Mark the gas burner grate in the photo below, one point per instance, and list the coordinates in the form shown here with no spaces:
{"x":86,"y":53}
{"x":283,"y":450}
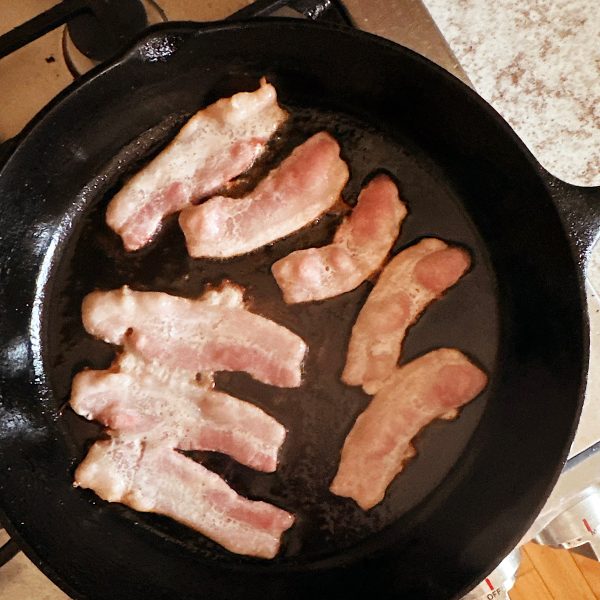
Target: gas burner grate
{"x":8,"y":551}
{"x":100,"y":28}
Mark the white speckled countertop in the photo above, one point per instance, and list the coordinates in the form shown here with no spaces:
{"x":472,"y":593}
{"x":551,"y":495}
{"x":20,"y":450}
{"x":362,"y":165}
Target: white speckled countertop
{"x":538,"y":63}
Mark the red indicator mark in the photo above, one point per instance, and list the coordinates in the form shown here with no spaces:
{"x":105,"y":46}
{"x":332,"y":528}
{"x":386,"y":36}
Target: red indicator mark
{"x":587,"y":526}
{"x":490,"y":584}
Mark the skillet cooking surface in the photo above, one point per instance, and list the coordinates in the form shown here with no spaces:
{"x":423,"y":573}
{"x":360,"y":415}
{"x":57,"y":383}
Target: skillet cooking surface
{"x":444,"y":521}
{"x":320,"y":413}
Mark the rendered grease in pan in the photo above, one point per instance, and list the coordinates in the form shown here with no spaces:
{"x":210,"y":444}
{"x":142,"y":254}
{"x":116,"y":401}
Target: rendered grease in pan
{"x":319,"y":414}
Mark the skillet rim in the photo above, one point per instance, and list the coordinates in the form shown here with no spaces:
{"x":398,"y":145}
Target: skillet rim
{"x":188,"y":27}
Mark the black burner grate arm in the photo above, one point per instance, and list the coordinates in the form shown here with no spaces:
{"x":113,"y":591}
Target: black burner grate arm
{"x":326,"y":10}
{"x":38,"y":26}
{"x":8,"y":551}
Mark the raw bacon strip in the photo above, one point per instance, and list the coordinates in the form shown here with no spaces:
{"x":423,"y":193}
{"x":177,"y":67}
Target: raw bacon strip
{"x":431,"y":387}
{"x":212,"y":333}
{"x":302,"y":188}
{"x":215,"y":145}
{"x":407,"y":285}
{"x":160,"y":480}
{"x":170,"y":408}
{"x":359,"y":248}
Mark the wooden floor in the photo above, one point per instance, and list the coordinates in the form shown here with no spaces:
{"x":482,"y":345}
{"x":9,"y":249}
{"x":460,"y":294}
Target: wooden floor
{"x":550,"y":574}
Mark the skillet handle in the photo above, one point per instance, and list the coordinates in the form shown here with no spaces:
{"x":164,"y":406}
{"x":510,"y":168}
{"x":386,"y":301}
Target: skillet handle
{"x":579,"y":208}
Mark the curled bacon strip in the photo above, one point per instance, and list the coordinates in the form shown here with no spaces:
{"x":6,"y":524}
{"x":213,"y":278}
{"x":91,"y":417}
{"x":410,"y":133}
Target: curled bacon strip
{"x":361,"y":244}
{"x":213,"y":333}
{"x":144,"y":400}
{"x":151,"y":478}
{"x":407,"y":285}
{"x":214,"y":146}
{"x":301,"y":189}
{"x":433,"y":386}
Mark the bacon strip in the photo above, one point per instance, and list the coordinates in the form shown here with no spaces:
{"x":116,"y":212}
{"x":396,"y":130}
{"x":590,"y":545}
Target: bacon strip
{"x":216,"y":144}
{"x":160,"y":480}
{"x":407,"y":285}
{"x":212,"y":333}
{"x":359,"y":248}
{"x":302,"y":188}
{"x":431,"y":387}
{"x":170,"y":408}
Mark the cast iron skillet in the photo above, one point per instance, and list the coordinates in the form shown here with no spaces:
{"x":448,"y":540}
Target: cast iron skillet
{"x":520,"y":313}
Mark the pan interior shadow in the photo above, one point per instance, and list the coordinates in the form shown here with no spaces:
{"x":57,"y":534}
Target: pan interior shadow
{"x":319,"y":414}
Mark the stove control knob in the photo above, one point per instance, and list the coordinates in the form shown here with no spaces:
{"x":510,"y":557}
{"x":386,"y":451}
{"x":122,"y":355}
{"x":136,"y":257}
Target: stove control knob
{"x":498,"y":583}
{"x":577,"y":525}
